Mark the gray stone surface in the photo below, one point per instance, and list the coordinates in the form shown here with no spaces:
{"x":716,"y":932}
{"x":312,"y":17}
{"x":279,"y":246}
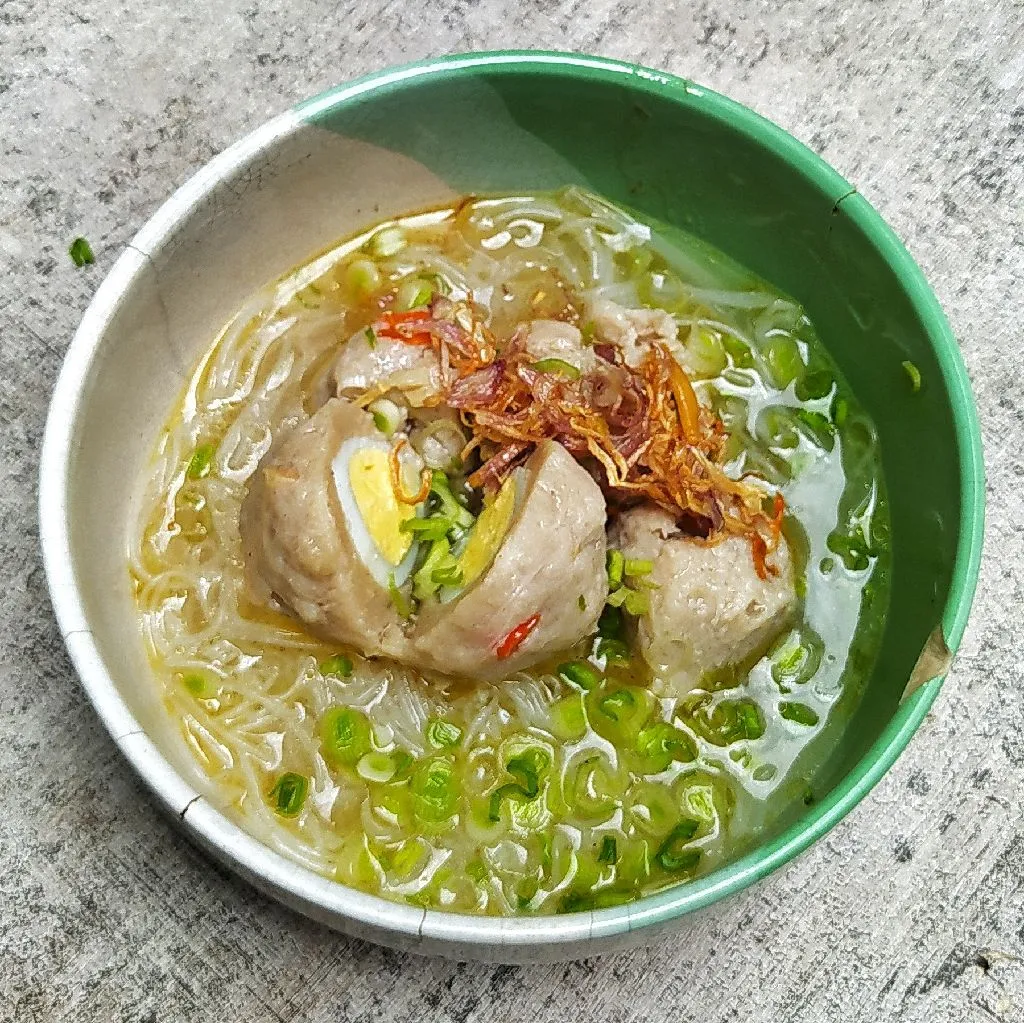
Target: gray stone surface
{"x":912,"y":909}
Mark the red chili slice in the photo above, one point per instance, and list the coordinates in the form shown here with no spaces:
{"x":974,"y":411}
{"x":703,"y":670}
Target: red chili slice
{"x":514,"y":640}
{"x":391,"y":325}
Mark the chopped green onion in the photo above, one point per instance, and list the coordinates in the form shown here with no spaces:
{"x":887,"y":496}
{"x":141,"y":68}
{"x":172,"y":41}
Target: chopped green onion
{"x":439,"y":569}
{"x":202,"y":683}
{"x":362,"y":277}
{"x":289,"y":794}
{"x":434,"y":790}
{"x":451,"y":507}
{"x":661,"y":743}
{"x":739,"y":351}
{"x":580,"y":673}
{"x":592,"y":787}
{"x":429,"y":529}
{"x":611,"y":624}
{"x":201,"y":462}
{"x":799,"y":713}
{"x":581,"y":602}
{"x":673,"y":854}
{"x":527,"y":767}
{"x":401,"y":603}
{"x":443,"y":734}
{"x":638,"y":566}
{"x":785,"y":362}
{"x":615,"y":564}
{"x":616,"y":598}
{"x":371,"y":337}
{"x":815,"y":385}
{"x":80,"y":252}
{"x":729,"y":722}
{"x":477,"y":871}
{"x":617,"y":704}
{"x":339,"y":665}
{"x":447,"y":576}
{"x":609,"y":852}
{"x":412,"y":294}
{"x":750,"y":719}
{"x":568,"y":719}
{"x":797,"y":659}
{"x":403,"y":761}
{"x":587,"y":331}
{"x":499,"y":795}
{"x":388,"y":416}
{"x":818,"y":428}
{"x":388,"y":241}
{"x":840,"y":411}
{"x":915,"y":375}
{"x":705,"y":352}
{"x":345,"y":735}
{"x":635,"y":603}
{"x":557,"y":366}
{"x":377,"y":767}
{"x":614,"y":651}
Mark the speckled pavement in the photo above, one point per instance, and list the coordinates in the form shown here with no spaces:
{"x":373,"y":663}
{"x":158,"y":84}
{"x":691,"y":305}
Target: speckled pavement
{"x":911,"y":910}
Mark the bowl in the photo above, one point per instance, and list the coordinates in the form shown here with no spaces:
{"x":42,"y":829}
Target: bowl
{"x":506,"y":121}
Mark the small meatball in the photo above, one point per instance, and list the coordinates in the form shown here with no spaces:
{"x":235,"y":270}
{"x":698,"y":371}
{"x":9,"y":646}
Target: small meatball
{"x":553,"y":339}
{"x":299,"y":552}
{"x":387,"y":364}
{"x":632,"y":330}
{"x":551,"y":564}
{"x":710,"y":608}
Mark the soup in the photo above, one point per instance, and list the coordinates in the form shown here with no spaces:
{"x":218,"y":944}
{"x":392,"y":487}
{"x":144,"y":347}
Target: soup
{"x":514,"y":557}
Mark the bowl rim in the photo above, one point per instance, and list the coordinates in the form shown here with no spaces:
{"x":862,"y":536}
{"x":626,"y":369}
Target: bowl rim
{"x":331,"y":901}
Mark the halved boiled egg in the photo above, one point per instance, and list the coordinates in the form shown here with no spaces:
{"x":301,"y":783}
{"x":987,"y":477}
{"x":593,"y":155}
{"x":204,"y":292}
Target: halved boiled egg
{"x":373,"y":512}
{"x":489,"y":530}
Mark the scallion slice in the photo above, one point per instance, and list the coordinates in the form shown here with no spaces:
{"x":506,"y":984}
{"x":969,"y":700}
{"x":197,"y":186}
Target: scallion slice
{"x":399,"y":601}
{"x":338,"y":665}
{"x":201,"y":462}
{"x":443,"y":734}
{"x":345,"y":735}
{"x":580,"y":673}
{"x":376,"y":767}
{"x":289,"y":794}
{"x":673,"y":855}
{"x":81,"y":252}
{"x":609,"y":852}
{"x":559,"y":367}
{"x":615,"y":565}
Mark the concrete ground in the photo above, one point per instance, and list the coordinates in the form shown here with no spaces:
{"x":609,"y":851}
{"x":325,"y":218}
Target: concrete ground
{"x":911,"y":910}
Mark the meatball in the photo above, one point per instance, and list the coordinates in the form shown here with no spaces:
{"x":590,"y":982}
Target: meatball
{"x":299,"y":548}
{"x":386,"y":364}
{"x":551,"y":564}
{"x":710,"y":608}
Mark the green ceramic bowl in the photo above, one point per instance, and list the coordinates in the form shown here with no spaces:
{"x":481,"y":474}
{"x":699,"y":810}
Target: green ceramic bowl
{"x":502,"y":122}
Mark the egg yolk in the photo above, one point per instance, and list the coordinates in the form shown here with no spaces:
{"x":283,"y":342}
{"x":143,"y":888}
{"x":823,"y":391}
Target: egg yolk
{"x":369,"y":476}
{"x":488,"y":532}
